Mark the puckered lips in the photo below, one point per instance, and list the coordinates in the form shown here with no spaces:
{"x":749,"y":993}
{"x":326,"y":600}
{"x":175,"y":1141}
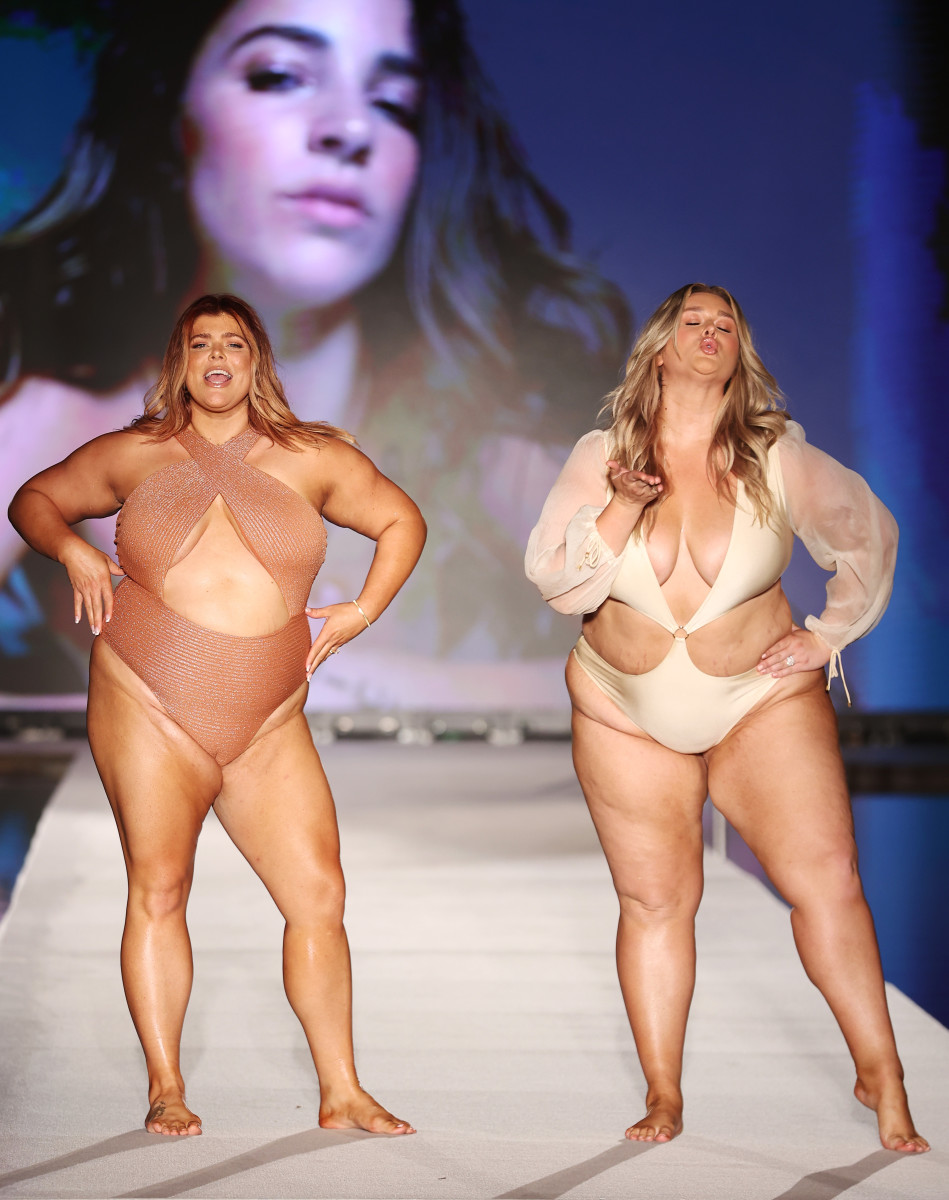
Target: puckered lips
{"x":708,"y":345}
{"x":217,"y":377}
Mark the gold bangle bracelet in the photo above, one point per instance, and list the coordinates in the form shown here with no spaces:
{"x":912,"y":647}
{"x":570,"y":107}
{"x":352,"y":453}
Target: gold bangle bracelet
{"x":363,"y":615}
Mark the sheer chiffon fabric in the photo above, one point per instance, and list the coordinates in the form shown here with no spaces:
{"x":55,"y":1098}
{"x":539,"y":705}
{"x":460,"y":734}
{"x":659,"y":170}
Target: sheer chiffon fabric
{"x":844,"y":526}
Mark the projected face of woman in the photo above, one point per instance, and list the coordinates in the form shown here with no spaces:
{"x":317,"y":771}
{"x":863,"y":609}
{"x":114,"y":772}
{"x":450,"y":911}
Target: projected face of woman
{"x":299,"y":125}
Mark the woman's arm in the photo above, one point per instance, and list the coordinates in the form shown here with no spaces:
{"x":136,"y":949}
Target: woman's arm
{"x":44,"y":508}
{"x":357,"y":496}
{"x":847,"y":530}
{"x":576,"y":547}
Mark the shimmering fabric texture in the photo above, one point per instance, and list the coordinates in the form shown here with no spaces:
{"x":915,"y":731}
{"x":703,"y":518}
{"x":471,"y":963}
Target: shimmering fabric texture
{"x":220,"y":688}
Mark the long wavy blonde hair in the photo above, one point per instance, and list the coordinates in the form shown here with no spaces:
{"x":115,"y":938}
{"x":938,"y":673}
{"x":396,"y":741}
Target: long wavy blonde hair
{"x":168,"y":405}
{"x":748,"y":422}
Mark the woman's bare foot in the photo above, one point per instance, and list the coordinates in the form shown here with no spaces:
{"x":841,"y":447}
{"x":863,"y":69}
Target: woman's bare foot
{"x":897,"y":1131}
{"x":662,"y":1122}
{"x":170,"y":1115}
{"x":358,"y":1110}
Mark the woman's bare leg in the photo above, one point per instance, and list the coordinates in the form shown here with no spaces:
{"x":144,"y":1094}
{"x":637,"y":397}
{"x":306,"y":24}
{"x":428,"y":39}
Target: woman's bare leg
{"x":646,"y":803}
{"x":779,"y":779}
{"x":276,"y":805}
{"x":160,"y":785}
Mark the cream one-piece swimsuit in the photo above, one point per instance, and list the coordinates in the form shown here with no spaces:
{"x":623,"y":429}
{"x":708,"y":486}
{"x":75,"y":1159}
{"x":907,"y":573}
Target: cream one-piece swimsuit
{"x":676,"y":703}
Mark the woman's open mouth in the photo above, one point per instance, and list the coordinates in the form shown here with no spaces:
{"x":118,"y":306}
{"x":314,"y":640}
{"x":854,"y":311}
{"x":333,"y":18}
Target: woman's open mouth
{"x":218,"y":377}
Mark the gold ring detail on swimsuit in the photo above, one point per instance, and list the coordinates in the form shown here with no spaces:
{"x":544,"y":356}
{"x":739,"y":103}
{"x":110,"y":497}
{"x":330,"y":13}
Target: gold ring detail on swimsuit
{"x":789,"y":661}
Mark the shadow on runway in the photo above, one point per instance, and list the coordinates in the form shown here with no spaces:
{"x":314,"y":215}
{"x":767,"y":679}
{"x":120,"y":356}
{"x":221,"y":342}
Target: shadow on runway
{"x":826,"y":1185}
{"x":306,"y":1142}
{"x":552,"y":1186}
{"x":119,"y":1144}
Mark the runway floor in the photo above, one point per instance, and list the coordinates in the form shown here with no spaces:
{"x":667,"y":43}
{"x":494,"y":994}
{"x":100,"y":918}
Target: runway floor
{"x":481,"y":918}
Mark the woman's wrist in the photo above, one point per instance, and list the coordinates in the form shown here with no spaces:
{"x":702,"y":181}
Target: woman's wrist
{"x":70,"y":541}
{"x":628,"y":506}
{"x":362,"y":613}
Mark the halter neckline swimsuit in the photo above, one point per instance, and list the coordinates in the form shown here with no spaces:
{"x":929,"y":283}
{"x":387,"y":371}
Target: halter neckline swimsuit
{"x":220,"y":688}
{"x":676,"y":703}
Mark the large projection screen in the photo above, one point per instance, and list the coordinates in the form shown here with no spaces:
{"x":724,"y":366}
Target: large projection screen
{"x":607,"y":153}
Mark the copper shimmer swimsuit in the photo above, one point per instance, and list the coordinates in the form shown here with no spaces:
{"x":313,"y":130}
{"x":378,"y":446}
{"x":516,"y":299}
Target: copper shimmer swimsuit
{"x":220,"y":688}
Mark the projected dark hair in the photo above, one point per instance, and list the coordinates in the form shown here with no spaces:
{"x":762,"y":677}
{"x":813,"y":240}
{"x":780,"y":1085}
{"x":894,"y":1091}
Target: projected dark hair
{"x":484,"y":269}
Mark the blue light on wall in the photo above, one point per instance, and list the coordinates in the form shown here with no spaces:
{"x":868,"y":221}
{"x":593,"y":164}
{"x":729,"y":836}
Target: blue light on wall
{"x":900,"y":400}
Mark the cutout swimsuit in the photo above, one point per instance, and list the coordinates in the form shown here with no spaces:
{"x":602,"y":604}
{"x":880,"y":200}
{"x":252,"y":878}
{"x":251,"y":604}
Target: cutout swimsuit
{"x":676,"y":703}
{"x":219,"y":687}
{"x":846,"y":530}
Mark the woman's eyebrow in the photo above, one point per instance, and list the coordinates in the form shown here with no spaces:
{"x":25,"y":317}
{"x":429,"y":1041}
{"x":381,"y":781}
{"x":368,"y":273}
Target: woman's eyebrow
{"x":390,"y":63}
{"x":292,"y":33}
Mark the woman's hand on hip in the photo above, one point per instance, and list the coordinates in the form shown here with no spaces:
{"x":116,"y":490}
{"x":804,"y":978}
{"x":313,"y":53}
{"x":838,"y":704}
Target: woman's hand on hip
{"x":799,"y":650}
{"x":341,"y":623}
{"x":90,"y":573}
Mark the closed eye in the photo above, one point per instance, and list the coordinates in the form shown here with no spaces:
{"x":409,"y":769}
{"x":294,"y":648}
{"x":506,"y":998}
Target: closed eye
{"x":274,"y":79}
{"x":401,"y":114}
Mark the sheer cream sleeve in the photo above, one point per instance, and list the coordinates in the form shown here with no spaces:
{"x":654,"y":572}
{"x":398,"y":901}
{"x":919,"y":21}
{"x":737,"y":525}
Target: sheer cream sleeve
{"x":847,"y":530}
{"x":566,"y":557}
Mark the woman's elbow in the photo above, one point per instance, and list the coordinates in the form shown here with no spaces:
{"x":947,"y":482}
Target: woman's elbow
{"x":570,"y":605}
{"x":17,"y":505}
{"x":564,"y":607}
{"x":408,"y":529}
{"x":419,"y":527}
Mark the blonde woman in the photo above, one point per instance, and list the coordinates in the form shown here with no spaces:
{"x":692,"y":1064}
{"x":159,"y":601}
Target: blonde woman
{"x":669,"y":532}
{"x":198,"y":680}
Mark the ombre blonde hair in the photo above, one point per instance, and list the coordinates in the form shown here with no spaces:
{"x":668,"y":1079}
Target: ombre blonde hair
{"x":747,"y":424}
{"x":168,"y":405}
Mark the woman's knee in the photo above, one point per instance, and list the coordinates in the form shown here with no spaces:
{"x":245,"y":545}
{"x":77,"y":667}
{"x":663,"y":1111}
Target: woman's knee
{"x":317,"y":899}
{"x":159,"y":894}
{"x":833,"y":879}
{"x":656,"y":904}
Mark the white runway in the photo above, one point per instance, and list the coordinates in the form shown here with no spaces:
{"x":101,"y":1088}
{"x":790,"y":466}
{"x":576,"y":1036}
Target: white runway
{"x":481,"y":918}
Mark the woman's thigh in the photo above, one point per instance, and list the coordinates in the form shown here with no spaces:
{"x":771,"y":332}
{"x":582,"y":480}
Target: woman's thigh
{"x":159,"y":781}
{"x":645,"y":800}
{"x":276,"y":805}
{"x":778,"y":777}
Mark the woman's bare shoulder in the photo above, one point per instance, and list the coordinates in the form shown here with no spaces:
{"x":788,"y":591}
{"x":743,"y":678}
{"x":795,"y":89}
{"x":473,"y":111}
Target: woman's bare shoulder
{"x":124,"y":458}
{"x":126,"y":444}
{"x":330,"y":454}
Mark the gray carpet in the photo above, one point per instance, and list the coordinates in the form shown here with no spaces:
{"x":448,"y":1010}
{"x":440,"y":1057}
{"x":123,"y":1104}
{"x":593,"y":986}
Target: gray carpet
{"x":487,"y":1012}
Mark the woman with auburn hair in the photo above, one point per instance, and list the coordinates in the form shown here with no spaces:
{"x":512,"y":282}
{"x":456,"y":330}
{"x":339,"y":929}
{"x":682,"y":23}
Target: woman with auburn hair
{"x":343,"y":165}
{"x":677,"y":523}
{"x":199,"y":674}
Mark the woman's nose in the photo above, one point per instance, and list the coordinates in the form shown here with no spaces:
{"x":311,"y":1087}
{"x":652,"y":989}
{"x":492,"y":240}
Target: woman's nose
{"x":341,"y":126}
